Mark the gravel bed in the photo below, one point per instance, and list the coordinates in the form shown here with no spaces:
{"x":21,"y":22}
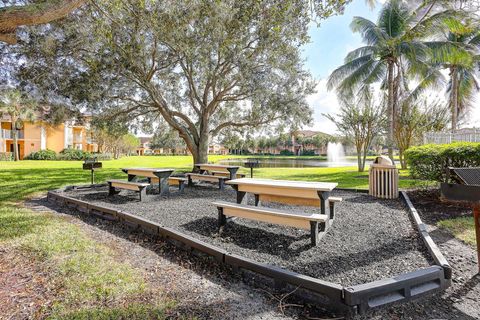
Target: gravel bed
{"x":370,"y":239}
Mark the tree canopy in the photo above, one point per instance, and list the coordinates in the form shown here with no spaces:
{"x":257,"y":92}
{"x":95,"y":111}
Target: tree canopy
{"x":202,"y":66}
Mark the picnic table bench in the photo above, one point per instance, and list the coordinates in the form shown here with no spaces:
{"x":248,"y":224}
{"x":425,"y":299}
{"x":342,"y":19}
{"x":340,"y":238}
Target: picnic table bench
{"x":284,"y":191}
{"x":229,"y":171}
{"x":154,"y":175}
{"x":301,"y":193}
{"x":213,"y":173}
{"x":139,"y":187}
{"x":316,"y":223}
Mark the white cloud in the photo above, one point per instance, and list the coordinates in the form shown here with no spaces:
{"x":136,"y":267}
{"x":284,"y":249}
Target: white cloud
{"x":323,"y":101}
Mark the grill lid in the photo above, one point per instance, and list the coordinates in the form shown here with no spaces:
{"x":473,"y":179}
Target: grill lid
{"x":467,"y":176}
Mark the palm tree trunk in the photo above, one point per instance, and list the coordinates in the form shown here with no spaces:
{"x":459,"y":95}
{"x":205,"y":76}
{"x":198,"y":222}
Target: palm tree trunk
{"x":454,"y":98}
{"x":390,"y":110}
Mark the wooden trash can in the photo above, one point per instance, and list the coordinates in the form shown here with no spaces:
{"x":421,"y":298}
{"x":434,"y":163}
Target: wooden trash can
{"x":383,"y":179}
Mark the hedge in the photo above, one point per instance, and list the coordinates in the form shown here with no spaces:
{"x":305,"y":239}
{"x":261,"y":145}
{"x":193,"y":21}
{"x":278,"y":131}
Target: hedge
{"x":429,"y":162}
{"x":42,"y":155}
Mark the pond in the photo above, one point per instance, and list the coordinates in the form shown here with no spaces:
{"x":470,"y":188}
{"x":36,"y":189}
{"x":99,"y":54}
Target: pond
{"x":293,"y":163}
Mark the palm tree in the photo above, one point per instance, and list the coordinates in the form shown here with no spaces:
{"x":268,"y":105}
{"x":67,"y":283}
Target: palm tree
{"x":20,"y":110}
{"x":462,"y":67}
{"x":394,"y":50}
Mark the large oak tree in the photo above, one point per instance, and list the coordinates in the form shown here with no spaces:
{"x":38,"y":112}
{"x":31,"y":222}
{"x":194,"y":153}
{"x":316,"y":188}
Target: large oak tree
{"x":203,"y":66}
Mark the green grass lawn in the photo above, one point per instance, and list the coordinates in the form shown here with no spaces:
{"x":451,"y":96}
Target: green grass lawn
{"x":21,"y":179}
{"x":462,"y":228}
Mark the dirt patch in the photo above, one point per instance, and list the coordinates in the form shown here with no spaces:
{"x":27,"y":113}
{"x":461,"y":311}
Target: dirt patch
{"x":24,"y":287}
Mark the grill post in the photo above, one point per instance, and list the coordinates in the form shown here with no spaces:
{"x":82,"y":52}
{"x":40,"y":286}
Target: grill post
{"x":476,"y":217}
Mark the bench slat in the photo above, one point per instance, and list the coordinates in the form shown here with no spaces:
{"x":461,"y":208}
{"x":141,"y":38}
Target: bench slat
{"x":270,"y":215}
{"x":226,"y":174}
{"x":205,"y":177}
{"x":135,"y":186}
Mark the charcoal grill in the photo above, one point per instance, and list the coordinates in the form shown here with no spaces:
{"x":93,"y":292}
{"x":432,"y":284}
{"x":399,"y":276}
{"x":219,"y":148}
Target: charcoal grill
{"x":466,"y":188}
{"x":252,"y":163}
{"x":92,"y":164}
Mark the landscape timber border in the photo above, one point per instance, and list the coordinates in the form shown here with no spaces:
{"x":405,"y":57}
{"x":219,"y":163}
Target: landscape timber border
{"x":353,"y":300}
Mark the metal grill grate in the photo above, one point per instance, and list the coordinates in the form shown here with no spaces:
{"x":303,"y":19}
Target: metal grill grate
{"x":467,"y":176}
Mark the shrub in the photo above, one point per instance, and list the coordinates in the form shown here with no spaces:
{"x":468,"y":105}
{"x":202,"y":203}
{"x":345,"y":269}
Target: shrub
{"x":73,"y":154}
{"x":308,"y":153}
{"x":286,"y":152}
{"x":42,"y":155}
{"x":6,"y":156}
{"x":102,"y":156}
{"x":429,"y":162}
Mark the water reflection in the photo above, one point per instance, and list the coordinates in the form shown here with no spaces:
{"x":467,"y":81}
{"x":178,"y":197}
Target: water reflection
{"x":293,"y":163}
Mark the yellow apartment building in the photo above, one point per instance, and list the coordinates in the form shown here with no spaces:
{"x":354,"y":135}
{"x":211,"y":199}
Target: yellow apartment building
{"x":38,"y":136}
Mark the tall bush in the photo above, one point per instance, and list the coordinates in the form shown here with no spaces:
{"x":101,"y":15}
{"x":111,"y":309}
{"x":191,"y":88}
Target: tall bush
{"x":429,"y":162}
{"x":42,"y":155}
{"x":73,"y":154}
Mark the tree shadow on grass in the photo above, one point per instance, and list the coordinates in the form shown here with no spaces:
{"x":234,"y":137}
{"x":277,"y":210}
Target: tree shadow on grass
{"x":15,"y":223}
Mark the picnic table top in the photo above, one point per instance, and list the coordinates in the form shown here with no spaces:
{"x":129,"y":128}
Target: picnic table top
{"x":212,"y":165}
{"x":319,"y":186}
{"x":147,"y":169}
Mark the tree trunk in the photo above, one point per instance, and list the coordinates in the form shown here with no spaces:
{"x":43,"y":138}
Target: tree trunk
{"x":200,"y":154}
{"x":403,"y":162}
{"x":390,"y":110}
{"x":361,"y":166}
{"x":454,"y":98}
{"x":16,"y":154}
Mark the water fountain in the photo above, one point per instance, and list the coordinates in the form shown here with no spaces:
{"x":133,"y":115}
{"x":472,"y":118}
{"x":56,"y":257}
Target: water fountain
{"x":335,"y":152}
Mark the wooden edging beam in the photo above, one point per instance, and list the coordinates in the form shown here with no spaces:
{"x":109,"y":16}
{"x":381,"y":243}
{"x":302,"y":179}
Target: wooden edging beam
{"x":352,"y":299}
{"x":432,"y":247}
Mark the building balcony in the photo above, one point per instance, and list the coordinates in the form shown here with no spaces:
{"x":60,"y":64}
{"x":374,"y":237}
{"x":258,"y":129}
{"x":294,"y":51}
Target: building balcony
{"x":8,"y":134}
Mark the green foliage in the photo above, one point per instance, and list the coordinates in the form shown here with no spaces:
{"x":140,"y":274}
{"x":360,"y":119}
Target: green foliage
{"x":429,"y":162}
{"x":286,"y":152}
{"x":6,"y":156}
{"x":42,"y":155}
{"x":73,"y":154}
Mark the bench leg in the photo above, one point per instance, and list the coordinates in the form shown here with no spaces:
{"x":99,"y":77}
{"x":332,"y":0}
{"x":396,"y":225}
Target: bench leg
{"x":111,"y":189}
{"x":257,"y":200}
{"x":143,"y":194}
{"x":323,"y":201}
{"x":131,"y":177}
{"x":314,"y":232}
{"x":221,"y":184}
{"x":181,"y":186}
{"x":190,"y":182}
{"x":222,"y":220}
{"x":240,"y":196}
{"x":317,"y":230}
{"x":332,"y":209}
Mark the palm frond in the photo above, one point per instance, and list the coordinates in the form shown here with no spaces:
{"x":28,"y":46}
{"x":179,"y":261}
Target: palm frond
{"x":339,"y":74}
{"x":370,"y":32}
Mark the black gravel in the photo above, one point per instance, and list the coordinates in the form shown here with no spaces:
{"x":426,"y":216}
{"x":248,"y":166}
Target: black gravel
{"x":370,"y":239}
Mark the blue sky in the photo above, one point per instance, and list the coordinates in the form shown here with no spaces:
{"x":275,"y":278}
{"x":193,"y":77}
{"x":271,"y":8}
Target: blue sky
{"x":329,"y":45}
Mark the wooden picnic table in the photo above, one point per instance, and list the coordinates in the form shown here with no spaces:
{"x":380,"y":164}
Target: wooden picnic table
{"x":152,"y":174}
{"x":205,"y":167}
{"x":285,"y":191}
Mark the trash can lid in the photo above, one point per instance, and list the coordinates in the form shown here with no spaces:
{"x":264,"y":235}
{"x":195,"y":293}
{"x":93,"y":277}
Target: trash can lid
{"x":383,"y":160}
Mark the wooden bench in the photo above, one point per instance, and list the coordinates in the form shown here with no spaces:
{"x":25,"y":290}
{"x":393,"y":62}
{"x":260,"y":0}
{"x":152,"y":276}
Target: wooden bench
{"x":226,"y":174}
{"x":205,"y":177}
{"x":139,"y":187}
{"x":178,"y":181}
{"x":316,"y":223}
{"x":173,"y":181}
